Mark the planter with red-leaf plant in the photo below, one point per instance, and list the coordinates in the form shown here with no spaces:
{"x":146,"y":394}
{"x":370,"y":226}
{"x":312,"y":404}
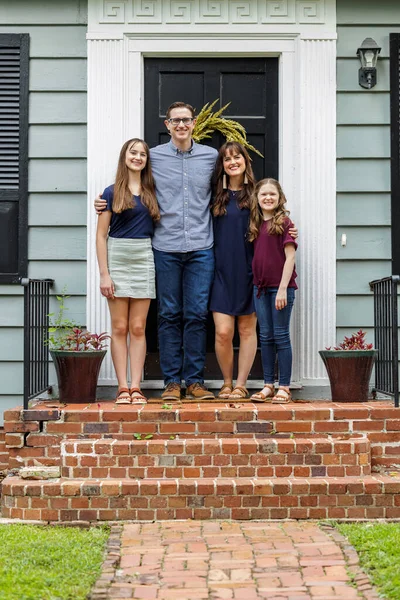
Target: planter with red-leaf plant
{"x":77,"y":356}
{"x":349,"y":367}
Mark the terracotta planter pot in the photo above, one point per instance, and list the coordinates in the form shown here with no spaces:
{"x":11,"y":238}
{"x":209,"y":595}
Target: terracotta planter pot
{"x":349,"y":373}
{"x":77,"y":374}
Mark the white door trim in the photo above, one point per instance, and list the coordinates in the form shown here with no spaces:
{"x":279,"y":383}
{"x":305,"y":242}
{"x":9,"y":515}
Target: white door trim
{"x":307,"y":125}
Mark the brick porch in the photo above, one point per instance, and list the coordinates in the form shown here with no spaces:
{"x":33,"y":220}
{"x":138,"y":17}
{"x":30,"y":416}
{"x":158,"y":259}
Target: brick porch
{"x":228,"y":461}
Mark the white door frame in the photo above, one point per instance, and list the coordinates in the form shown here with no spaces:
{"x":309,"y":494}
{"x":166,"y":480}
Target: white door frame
{"x":307,"y":125}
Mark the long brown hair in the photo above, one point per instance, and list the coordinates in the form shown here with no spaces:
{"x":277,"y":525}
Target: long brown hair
{"x":123,"y":199}
{"x":221,"y":195}
{"x":256,"y":216}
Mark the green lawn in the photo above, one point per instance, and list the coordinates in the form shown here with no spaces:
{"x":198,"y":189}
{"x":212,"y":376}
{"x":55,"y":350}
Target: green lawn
{"x":49,"y":563}
{"x":378,"y":546}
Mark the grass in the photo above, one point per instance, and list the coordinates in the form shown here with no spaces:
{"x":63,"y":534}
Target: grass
{"x":49,"y":563}
{"x":378,"y":546}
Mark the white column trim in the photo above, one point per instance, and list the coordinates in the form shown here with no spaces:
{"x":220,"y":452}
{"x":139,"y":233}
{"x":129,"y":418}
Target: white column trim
{"x":307,"y":116}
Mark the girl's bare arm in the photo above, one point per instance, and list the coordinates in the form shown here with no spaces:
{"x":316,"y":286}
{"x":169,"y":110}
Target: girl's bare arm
{"x":106,"y":283}
{"x":281,"y":296}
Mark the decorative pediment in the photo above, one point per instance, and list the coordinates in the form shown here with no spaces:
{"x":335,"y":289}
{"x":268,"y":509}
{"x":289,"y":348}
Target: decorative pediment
{"x":207,"y":12}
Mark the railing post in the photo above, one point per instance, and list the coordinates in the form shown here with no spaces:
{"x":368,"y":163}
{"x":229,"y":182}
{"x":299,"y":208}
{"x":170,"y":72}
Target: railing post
{"x":386,"y":336}
{"x":36,"y":325}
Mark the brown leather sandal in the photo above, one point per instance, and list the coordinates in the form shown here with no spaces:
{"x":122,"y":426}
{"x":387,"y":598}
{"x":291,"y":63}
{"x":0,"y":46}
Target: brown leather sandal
{"x":120,"y":399}
{"x":260,"y":397}
{"x":139,"y":398}
{"x":238,"y":393}
{"x":225,"y":391}
{"x":282,"y":397}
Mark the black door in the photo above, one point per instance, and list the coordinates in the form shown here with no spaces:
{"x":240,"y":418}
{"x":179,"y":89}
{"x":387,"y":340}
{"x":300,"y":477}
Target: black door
{"x":251,"y":86}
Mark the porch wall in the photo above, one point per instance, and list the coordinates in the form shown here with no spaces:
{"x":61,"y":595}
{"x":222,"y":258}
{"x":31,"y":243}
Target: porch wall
{"x":57,"y":168}
{"x":363,"y":162}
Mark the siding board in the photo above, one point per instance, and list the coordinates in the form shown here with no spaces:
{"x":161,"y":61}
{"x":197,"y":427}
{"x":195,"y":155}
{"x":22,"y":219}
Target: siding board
{"x":364,"y":243}
{"x":355,"y":311}
{"x":60,"y":175}
{"x":350,"y":38}
{"x":356,"y":108}
{"x":353,"y":277}
{"x":362,"y":141}
{"x":363,"y":209}
{"x":71,"y":274}
{"x":347,"y":76}
{"x":363,"y":175}
{"x":57,"y":107}
{"x":65,"y":12}
{"x":358,"y":12}
{"x":63,"y":74}
{"x":51,"y":243}
{"x":57,"y":209}
{"x":58,"y":141}
{"x":54,"y":41}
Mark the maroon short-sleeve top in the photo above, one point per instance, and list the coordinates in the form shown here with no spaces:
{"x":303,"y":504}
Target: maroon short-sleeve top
{"x":269,"y":257}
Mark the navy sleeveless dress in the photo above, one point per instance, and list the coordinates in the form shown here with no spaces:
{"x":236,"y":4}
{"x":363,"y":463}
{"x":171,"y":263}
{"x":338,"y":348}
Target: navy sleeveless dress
{"x":232,"y":290}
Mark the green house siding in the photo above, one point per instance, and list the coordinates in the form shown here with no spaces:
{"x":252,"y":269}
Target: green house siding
{"x":363,"y":162}
{"x":57,"y":168}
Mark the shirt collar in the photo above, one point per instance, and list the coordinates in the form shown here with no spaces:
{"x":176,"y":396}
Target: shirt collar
{"x":176,"y":150}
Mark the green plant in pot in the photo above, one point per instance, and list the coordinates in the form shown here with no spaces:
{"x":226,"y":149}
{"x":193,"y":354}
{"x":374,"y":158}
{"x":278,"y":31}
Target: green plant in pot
{"x":77,"y":356}
{"x":349,"y":367}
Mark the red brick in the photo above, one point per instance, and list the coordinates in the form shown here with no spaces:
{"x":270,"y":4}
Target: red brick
{"x":148,"y":489}
{"x":13,"y":414}
{"x":330,"y":426}
{"x":177,"y":428}
{"x":15,"y":440}
{"x":205,"y":415}
{"x":139,"y":428}
{"x":19,"y":427}
{"x":294,"y":426}
{"x":37,"y":414}
{"x":110,"y":489}
{"x":224,"y":427}
{"x":368,"y":425}
{"x":40,"y":439}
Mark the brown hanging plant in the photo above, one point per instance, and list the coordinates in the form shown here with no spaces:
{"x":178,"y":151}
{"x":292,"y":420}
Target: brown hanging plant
{"x":208,"y":121}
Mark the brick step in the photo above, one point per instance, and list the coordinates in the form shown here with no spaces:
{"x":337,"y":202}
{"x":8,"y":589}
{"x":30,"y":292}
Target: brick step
{"x":3,"y":452}
{"x":199,"y":458}
{"x":92,"y":500}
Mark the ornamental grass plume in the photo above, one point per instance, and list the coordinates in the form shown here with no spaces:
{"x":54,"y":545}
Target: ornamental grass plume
{"x":208,"y":121}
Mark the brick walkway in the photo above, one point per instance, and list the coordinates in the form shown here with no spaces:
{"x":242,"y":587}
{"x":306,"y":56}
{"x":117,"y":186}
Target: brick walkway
{"x":189,"y":560}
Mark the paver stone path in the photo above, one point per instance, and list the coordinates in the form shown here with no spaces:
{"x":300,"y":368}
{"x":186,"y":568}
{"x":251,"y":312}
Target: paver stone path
{"x":221,"y":560}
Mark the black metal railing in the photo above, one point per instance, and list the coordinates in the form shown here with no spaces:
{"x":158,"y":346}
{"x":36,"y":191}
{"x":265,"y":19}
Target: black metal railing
{"x":386,"y":336}
{"x":36,"y":330}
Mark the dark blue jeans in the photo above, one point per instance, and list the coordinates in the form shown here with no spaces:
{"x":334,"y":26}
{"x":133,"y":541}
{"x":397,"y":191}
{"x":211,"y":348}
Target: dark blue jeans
{"x":183,"y":289}
{"x":275,"y":335}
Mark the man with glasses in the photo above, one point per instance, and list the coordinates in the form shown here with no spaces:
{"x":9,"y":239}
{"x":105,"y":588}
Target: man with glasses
{"x":183,"y":252}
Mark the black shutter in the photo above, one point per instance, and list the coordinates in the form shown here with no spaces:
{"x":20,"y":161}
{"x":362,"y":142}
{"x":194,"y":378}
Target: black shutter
{"x":14,"y":72}
{"x":395,"y":148}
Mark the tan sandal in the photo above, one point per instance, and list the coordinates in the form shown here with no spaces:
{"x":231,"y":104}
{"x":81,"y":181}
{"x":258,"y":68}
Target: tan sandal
{"x":282,"y":397}
{"x":260,"y":397}
{"x":139,"y":397}
{"x":225,"y":391}
{"x":120,"y":399}
{"x":238,"y":393}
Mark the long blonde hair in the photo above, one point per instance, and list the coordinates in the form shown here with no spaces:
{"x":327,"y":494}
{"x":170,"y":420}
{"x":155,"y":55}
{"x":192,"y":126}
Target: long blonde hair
{"x":122,"y":199}
{"x":256,"y":216}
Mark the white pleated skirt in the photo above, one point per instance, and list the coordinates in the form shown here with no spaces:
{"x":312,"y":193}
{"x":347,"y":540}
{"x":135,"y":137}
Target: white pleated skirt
{"x":131,"y":267}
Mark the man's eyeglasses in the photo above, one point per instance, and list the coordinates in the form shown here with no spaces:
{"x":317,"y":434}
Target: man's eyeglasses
{"x":185,"y":121}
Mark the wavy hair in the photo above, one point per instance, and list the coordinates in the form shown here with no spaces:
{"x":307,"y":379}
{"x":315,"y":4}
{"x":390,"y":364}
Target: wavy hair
{"x":221,"y":195}
{"x":279,"y":217}
{"x":123,"y":198}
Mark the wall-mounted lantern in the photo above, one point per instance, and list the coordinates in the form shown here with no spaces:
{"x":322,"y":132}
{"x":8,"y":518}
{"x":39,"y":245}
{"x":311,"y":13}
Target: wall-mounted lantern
{"x":368,"y":54}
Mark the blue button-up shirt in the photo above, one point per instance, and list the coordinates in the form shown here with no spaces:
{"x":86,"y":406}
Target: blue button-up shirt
{"x":183,"y":186}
